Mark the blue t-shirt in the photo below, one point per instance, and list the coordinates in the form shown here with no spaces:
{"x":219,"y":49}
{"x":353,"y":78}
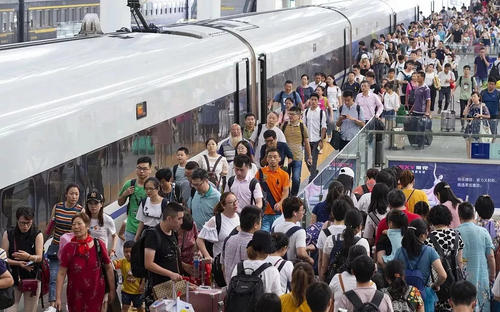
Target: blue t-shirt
{"x":283,"y":150}
{"x":281,"y":97}
{"x":321,"y":211}
{"x":491,"y":100}
{"x":424,"y":265}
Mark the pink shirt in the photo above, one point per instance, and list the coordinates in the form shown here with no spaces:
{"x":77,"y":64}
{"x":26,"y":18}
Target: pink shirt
{"x":241,"y":189}
{"x":455,"y":220}
{"x":370,"y":104}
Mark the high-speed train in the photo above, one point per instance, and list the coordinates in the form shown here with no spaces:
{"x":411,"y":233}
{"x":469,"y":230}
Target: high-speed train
{"x":84,"y":110}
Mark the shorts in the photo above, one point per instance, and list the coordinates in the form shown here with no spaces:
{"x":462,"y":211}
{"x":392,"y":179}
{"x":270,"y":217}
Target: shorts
{"x":135,"y":300}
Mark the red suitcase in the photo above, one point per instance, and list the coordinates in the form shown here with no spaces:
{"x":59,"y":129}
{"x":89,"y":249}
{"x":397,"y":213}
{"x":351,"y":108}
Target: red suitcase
{"x":206,"y":299}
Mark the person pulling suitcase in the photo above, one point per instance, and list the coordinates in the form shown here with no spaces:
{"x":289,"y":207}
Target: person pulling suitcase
{"x":420,"y":114}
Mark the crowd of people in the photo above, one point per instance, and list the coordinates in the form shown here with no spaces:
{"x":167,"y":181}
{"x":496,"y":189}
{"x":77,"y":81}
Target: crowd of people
{"x":236,"y":207}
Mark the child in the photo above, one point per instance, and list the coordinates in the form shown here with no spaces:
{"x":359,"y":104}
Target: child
{"x":268,"y":302}
{"x":463,"y":296}
{"x":132,"y":288}
{"x":403,"y":296}
{"x":178,"y":170}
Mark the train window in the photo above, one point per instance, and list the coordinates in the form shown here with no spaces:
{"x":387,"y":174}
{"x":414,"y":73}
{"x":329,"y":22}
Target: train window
{"x":59,"y":178}
{"x":51,"y":18}
{"x":9,"y":21}
{"x":32,"y":23}
{"x":82,"y":13}
{"x":13,"y":22}
{"x":20,"y":195}
{"x":73,"y":15}
{"x":58,"y":16}
{"x":41,"y":18}
{"x":3,"y":22}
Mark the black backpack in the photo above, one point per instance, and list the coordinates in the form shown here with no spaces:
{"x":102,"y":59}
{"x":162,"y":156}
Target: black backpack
{"x":337,"y":259}
{"x":450,"y":265}
{"x":359,"y":306}
{"x":244,"y":290}
{"x":251,"y":186}
{"x":494,"y":73}
{"x":137,"y":255}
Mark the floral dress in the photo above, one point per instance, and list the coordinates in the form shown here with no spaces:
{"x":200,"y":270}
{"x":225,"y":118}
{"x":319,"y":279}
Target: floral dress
{"x":414,"y":298}
{"x":85,"y":291}
{"x":493,"y":227}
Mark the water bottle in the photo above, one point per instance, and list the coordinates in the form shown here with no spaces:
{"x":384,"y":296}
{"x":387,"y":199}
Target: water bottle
{"x":196,"y":265}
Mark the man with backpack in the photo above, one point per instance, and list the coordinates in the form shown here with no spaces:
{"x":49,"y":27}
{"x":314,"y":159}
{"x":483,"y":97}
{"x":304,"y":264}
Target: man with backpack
{"x":133,"y":190}
{"x":202,"y":203}
{"x":315,"y":121}
{"x":246,"y":188}
{"x":297,"y":138}
{"x":364,"y":298}
{"x":491,"y":97}
{"x":351,"y":118}
{"x":159,"y":250}
{"x":293,"y":211}
{"x":272,"y":142}
{"x":288,"y":92}
{"x":467,"y":85}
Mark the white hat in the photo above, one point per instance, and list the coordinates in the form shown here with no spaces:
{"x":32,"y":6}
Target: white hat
{"x":364,"y":56}
{"x":347,"y":171}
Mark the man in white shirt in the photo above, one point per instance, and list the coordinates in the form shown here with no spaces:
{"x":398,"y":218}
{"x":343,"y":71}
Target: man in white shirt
{"x":315,"y":121}
{"x":380,"y":58}
{"x":257,"y":137}
{"x":245,"y":187}
{"x":445,"y":78}
{"x":357,"y":74}
{"x":293,"y":211}
{"x":317,"y":81}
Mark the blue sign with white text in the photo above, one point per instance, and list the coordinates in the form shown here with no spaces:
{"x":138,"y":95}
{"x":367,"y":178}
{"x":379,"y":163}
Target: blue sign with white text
{"x":468,"y":181}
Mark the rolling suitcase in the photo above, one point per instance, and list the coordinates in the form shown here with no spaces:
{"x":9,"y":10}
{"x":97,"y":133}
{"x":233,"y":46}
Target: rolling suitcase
{"x":206,"y":299}
{"x":425,"y":125}
{"x":398,"y":139}
{"x":411,"y":124}
{"x":448,"y":118}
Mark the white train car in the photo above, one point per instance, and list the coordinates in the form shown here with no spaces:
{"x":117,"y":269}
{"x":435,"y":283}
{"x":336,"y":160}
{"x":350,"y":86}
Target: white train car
{"x":71,"y":110}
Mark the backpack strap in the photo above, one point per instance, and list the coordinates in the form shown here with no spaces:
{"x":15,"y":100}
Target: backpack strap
{"x":265,"y":187}
{"x":284,"y":126}
{"x":292,"y":231}
{"x":207,"y":162}
{"x":377,"y":298}
{"x":365,"y":188}
{"x":354,"y":299}
{"x":374,"y":218}
{"x":301,"y":125}
{"x":259,"y":130}
{"x":218,"y":222}
{"x":282,"y":264}
{"x":216,"y":163}
{"x":261,"y":269}
{"x":252,"y":185}
{"x":436,"y":245}
{"x":174,"y":169}
{"x":341,"y":281}
{"x":240,"y":269}
{"x":233,"y":232}
{"x":230,"y":182}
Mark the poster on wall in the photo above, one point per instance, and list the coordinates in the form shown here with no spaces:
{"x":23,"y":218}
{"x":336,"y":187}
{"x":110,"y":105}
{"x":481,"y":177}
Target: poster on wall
{"x":468,"y":181}
{"x":316,"y":191}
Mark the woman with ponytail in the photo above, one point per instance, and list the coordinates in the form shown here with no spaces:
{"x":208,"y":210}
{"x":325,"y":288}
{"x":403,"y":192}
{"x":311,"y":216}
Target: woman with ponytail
{"x":403,"y":296}
{"x":389,"y":243}
{"x":302,"y":277}
{"x":446,"y":197}
{"x":419,"y":257}
{"x":376,"y":211}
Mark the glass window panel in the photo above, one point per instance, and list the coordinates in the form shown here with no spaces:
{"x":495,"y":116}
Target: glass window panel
{"x":20,"y":195}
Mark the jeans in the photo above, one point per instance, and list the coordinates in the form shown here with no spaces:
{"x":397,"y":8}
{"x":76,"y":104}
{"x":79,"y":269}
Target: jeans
{"x":343,"y":144}
{"x":129,"y":236}
{"x":463,"y":104}
{"x":313,"y":167}
{"x":445,"y":93}
{"x":379,"y":72}
{"x":294,"y":170}
{"x":54,"y":268}
{"x":480,"y":81}
{"x":267,"y":221}
{"x":433,"y":96}
{"x":493,"y":123}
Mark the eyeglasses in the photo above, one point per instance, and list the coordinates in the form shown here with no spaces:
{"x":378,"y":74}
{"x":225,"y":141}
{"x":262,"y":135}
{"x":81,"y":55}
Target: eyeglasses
{"x":150,"y":189}
{"x":25,"y":223}
{"x":142,"y":168}
{"x":269,"y":140}
{"x":232,"y":202}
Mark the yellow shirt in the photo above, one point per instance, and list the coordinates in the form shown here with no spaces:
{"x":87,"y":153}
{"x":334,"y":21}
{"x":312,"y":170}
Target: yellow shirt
{"x":418,"y":195}
{"x":131,"y":284}
{"x":288,"y":304}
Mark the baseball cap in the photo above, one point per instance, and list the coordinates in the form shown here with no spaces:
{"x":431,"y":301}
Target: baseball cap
{"x":347,"y":171}
{"x":95,"y":196}
{"x":364,"y":56}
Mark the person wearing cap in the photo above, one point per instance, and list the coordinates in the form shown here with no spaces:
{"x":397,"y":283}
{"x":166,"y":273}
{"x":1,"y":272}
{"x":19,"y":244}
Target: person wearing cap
{"x":258,"y":249}
{"x":364,"y":64}
{"x":102,"y":225}
{"x":380,"y":58}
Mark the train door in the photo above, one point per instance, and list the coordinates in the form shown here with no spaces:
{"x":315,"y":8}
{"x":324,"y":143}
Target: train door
{"x":242,"y":103}
{"x":347,"y":49}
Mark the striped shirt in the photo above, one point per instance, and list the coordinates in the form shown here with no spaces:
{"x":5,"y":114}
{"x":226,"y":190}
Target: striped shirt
{"x":62,"y":219}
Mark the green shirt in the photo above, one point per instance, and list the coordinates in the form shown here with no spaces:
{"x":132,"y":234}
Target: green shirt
{"x":133,"y":205}
{"x":466,"y":87}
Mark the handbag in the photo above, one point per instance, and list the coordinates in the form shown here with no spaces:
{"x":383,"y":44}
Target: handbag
{"x":484,"y":128}
{"x":52,"y":252}
{"x":335,"y":141}
{"x":170,"y":290}
{"x":436,"y":83}
{"x":26,"y":284}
